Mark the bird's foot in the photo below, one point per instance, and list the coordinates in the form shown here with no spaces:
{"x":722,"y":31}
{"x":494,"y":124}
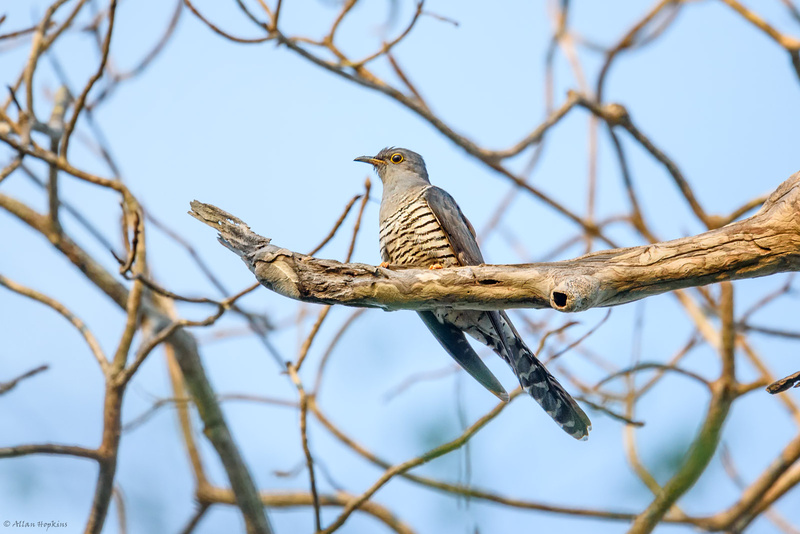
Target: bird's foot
{"x":384,"y":264}
{"x":436,"y":266}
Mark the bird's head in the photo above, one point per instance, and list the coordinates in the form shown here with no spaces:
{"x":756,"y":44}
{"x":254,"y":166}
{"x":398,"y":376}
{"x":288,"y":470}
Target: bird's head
{"x":395,"y":164}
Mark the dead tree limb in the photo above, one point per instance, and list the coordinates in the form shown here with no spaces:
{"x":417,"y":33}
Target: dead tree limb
{"x":764,"y":244}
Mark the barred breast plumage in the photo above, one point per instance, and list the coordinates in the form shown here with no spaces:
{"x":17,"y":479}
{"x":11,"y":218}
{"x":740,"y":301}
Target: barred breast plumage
{"x":412,"y":235}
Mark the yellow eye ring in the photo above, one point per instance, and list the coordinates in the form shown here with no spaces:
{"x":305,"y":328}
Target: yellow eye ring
{"x":397,"y":157}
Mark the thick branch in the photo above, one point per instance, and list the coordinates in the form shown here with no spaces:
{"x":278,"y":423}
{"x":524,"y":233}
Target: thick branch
{"x":764,"y":244}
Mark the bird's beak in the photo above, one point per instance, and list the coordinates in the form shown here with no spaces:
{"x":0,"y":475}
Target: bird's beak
{"x":372,"y":161}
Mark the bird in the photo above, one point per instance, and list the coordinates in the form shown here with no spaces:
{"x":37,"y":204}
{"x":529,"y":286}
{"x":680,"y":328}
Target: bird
{"x":421,"y":225}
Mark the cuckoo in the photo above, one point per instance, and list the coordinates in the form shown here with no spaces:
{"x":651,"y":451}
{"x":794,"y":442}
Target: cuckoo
{"x":422,"y":226}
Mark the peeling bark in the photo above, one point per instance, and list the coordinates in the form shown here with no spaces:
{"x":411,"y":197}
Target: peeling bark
{"x":761,"y":245}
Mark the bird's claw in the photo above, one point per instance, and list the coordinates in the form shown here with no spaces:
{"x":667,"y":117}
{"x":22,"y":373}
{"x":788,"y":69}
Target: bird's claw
{"x":436,"y":266}
{"x":384,"y":264}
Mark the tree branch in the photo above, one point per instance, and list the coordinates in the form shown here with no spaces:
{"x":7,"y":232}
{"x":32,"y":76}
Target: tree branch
{"x":764,"y":244}
{"x":188,"y":358}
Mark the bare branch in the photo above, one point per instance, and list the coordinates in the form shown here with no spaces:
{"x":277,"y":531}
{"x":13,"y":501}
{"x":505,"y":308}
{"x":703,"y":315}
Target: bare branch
{"x":48,"y":448}
{"x":290,"y":499}
{"x":187,"y":355}
{"x":766,"y":243}
{"x":75,"y":321}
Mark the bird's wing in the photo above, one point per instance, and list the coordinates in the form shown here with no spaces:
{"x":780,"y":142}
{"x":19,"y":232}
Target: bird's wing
{"x":457,"y":229}
{"x":461,"y":236}
{"x":455,"y":343}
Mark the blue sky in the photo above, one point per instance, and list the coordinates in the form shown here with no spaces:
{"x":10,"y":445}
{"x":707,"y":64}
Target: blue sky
{"x":263,"y":134}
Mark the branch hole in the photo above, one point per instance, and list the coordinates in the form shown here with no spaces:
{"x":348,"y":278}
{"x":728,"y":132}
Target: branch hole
{"x":488,"y":282}
{"x":559,"y":299}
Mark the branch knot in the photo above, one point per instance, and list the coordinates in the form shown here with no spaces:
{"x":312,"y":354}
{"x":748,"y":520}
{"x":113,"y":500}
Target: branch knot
{"x":576,"y":293}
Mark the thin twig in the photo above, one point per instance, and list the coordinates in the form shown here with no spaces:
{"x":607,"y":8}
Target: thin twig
{"x":74,"y":320}
{"x":81,"y":100}
{"x":5,"y":387}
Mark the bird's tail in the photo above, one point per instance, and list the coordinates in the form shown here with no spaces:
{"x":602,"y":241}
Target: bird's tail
{"x":537,"y":381}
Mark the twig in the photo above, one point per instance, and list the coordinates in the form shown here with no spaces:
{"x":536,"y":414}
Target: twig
{"x":75,"y":321}
{"x":789,"y":43}
{"x":387,"y":47}
{"x":357,"y":225}
{"x":49,"y":448}
{"x":471,"y":492}
{"x":401,"y":468}
{"x":336,"y":225}
{"x":5,"y":387}
{"x":610,"y":413}
{"x":309,"y":461}
{"x":119,"y":501}
{"x":81,"y":100}
{"x":201,"y":510}
{"x":580,"y":339}
{"x":311,"y":335}
{"x":326,"y":355}
{"x":223,"y":33}
{"x":651,"y":365}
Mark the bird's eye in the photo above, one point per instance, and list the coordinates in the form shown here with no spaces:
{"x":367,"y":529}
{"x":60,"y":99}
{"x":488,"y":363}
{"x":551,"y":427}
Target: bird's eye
{"x":397,"y":157}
